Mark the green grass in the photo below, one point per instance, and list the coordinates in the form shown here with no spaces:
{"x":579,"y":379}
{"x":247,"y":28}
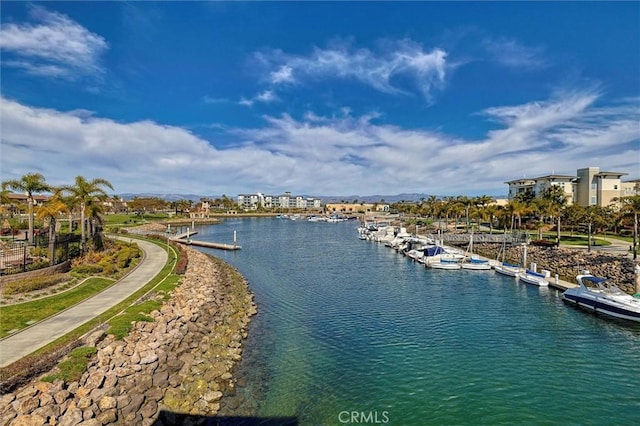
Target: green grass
{"x":120,"y":325}
{"x":15,"y":317}
{"x":23,"y":366}
{"x":580,"y":240}
{"x":71,"y":370}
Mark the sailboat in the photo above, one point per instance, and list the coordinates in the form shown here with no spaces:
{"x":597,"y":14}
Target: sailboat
{"x":474,"y":262}
{"x":503,"y":267}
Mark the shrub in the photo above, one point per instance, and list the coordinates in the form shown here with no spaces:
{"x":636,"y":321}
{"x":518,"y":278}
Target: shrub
{"x":35,"y":283}
{"x":38,"y":265}
{"x":39,"y":252}
{"x":89,"y":268}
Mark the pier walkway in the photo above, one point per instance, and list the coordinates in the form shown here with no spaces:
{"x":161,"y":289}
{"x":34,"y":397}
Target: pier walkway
{"x":184,"y":239}
{"x":30,"y":339}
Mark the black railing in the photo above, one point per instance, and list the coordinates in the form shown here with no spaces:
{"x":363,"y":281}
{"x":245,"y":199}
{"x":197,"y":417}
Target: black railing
{"x":19,"y":256}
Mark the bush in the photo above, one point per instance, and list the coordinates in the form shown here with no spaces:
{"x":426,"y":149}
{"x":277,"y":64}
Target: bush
{"x":35,"y":283}
{"x":39,"y":252}
{"x":88,"y":268}
{"x":38,"y":265}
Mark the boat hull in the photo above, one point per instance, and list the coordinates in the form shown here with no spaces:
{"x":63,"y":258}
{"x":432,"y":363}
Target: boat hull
{"x":533,"y":280}
{"x":601,"y":305}
{"x":476,"y":266}
{"x":505,"y":270}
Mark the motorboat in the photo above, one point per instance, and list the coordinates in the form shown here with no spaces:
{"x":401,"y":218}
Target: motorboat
{"x":507,"y":269}
{"x":599,"y":296}
{"x":534,"y":278}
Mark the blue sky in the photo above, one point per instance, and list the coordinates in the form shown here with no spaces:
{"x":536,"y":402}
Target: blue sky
{"x":319,"y":98}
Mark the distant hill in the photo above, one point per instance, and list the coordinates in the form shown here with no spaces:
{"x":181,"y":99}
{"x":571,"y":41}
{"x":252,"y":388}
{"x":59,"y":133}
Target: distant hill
{"x":389,"y":199}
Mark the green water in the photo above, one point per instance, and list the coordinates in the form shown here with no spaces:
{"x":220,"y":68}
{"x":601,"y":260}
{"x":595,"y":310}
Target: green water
{"x":350,"y":332}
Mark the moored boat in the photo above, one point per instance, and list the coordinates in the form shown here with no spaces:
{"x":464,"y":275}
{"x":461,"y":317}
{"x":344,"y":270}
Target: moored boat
{"x":599,"y":296}
{"x":507,"y":269}
{"x":534,"y":278}
{"x":476,"y":263}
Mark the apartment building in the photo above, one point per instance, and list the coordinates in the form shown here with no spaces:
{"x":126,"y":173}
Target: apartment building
{"x":284,"y":201}
{"x":589,"y":187}
{"x":537,"y":186}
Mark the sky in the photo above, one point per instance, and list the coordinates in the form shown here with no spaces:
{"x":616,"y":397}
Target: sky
{"x":318,"y":98}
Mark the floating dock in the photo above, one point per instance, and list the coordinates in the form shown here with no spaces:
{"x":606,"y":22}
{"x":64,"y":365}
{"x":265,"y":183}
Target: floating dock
{"x":207,"y":244}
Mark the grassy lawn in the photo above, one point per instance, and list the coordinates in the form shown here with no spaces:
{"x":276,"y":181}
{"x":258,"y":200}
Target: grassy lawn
{"x":17,"y":317}
{"x":165,"y":280}
{"x":580,"y":240}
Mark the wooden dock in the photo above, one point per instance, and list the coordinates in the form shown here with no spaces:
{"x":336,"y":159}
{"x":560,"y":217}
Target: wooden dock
{"x":561,"y":285}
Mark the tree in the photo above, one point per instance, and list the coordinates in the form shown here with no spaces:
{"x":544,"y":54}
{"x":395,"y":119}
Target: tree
{"x":592,"y":215}
{"x":631,"y":207}
{"x":557,"y":199}
{"x":86,"y":192}
{"x":516,"y":209}
{"x":50,"y":211}
{"x":31,"y":183}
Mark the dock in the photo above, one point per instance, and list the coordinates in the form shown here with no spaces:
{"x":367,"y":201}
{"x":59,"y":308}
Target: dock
{"x":184,"y":239}
{"x":207,"y":244}
{"x":561,"y":285}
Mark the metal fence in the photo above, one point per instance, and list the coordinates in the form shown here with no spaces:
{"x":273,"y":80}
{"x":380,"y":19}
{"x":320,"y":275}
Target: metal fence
{"x":19,"y":256}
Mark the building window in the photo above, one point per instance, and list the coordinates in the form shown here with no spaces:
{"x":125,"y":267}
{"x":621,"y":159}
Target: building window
{"x":594,"y":186}
{"x":593,"y":201}
{"x":615,"y":186}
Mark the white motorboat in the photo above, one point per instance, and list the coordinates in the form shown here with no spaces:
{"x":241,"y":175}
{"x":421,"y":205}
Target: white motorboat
{"x":599,"y":296}
{"x":534,"y":278}
{"x":507,"y":269}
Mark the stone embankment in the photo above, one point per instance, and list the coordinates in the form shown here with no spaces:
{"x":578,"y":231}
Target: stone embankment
{"x":569,"y":262}
{"x":179,"y":363}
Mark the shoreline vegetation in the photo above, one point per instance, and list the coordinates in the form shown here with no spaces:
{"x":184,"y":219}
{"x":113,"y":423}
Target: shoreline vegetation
{"x":176,"y":361}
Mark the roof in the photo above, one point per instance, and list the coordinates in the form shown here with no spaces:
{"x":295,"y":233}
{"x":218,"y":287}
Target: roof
{"x":605,"y":174}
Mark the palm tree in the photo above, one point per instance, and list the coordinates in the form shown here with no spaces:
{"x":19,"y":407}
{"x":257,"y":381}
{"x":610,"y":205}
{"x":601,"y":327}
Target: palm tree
{"x":50,"y":211}
{"x":84,"y":192}
{"x":557,"y":202}
{"x":631,"y":206}
{"x":31,"y":183}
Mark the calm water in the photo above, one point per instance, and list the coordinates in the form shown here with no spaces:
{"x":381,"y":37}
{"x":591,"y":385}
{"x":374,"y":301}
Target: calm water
{"x":346,"y":325}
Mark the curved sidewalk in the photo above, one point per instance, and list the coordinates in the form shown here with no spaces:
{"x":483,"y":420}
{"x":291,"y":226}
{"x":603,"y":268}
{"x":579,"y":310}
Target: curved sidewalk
{"x":24,"y":342}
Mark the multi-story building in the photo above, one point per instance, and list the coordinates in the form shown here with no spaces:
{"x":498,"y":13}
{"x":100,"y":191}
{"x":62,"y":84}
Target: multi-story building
{"x":590,"y":186}
{"x":284,"y":201}
{"x":537,"y":186}
{"x":596,"y":188}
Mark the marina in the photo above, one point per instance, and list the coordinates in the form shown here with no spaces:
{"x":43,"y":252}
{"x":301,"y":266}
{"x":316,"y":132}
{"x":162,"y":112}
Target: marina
{"x":346,"y":324}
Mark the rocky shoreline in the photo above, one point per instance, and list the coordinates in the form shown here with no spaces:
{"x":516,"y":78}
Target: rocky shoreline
{"x":179,"y":363}
{"x":569,"y":262}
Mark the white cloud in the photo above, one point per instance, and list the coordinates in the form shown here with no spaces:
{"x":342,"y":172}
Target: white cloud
{"x":55,"y":47}
{"x":402,"y":59}
{"x":512,"y":54}
{"x":265,"y":97}
{"x":315,"y":154}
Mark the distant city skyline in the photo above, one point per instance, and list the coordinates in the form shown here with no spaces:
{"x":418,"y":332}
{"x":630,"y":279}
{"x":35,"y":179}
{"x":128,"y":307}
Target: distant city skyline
{"x":318,"y":98}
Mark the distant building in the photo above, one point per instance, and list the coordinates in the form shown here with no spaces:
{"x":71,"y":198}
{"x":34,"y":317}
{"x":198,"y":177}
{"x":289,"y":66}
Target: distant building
{"x":284,"y":201}
{"x":590,"y":186}
{"x":356,"y":207}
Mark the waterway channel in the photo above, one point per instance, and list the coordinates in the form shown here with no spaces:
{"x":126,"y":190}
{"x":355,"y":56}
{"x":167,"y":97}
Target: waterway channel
{"x":350,"y":328}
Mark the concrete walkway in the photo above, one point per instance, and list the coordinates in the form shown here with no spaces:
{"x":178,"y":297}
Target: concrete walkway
{"x":30,"y":339}
{"x":618,"y":247}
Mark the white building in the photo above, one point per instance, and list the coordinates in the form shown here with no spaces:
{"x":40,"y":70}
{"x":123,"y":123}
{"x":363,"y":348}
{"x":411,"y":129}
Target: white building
{"x":590,"y":186}
{"x":284,"y":201}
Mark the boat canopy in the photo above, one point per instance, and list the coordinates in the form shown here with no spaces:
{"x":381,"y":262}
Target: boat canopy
{"x":432,"y":251}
